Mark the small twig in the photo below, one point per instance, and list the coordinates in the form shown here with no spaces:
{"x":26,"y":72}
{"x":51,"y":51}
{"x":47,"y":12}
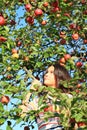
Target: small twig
{"x":29,"y":73}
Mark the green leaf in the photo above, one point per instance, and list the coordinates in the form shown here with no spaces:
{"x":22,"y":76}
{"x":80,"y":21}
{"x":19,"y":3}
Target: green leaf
{"x":1,"y":107}
{"x":6,"y":28}
{"x":8,"y":127}
{"x":2,"y":120}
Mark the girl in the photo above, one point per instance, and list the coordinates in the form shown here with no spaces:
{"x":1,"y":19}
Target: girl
{"x":54,"y":74}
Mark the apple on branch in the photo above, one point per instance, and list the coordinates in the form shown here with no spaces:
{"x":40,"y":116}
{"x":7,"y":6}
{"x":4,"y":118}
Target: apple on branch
{"x":3,"y":39}
{"x":75,"y":36}
{"x":38,"y":12}
{"x":30,"y":20}
{"x":67,"y":56}
{"x":2,"y":21}
{"x":4,"y":99}
{"x":28,"y":7}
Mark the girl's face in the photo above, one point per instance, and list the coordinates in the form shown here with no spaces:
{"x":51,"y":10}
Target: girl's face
{"x":50,"y":78}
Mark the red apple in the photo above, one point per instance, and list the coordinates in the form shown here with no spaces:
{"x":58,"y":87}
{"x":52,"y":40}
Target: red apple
{"x":26,"y":128}
{"x":75,"y":36}
{"x":30,"y":20}
{"x":78,"y":27}
{"x":62,"y":41}
{"x":14,"y":51}
{"x":26,"y":58}
{"x":77,"y":90}
{"x":44,"y":22}
{"x":45,"y":4}
{"x":54,"y":4}
{"x":85,"y":41}
{"x":67,"y":14}
{"x":55,"y":9}
{"x":38,"y":12}
{"x":28,"y":7}
{"x":78,"y":85}
{"x":81,"y":124}
{"x":85,"y":12}
{"x":83,"y":1}
{"x":70,"y":3}
{"x":49,"y":108}
{"x":79,"y":64}
{"x":9,"y":76}
{"x":67,"y":56}
{"x":3,"y":39}
{"x":72,"y":26}
{"x":12,"y":22}
{"x":2,"y":21}
{"x":19,"y":43}
{"x":62,"y":34}
{"x":4,"y":99}
{"x":62,"y":60}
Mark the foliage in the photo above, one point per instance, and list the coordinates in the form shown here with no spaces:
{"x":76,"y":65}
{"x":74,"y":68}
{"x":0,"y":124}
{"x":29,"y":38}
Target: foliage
{"x":34,"y":40}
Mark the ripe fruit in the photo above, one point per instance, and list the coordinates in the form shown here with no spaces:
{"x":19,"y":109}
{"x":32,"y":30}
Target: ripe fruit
{"x":62,"y":60}
{"x":55,"y":9}
{"x":78,"y":85}
{"x":26,"y":58}
{"x":8,"y":68}
{"x":83,"y":1}
{"x":8,"y":76}
{"x":85,"y":12}
{"x":54,"y":4}
{"x":28,"y":7}
{"x":62,"y":41}
{"x":75,"y":36}
{"x":4,"y":99}
{"x":19,"y":43}
{"x":67,"y":56}
{"x":26,"y":128}
{"x":38,"y":12}
{"x":14,"y":51}
{"x":3,"y":39}
{"x":49,"y":108}
{"x":62,"y":34}
{"x":77,"y":90}
{"x":44,"y":22}
{"x":85,"y":41}
{"x":45,"y":4}
{"x":67,"y":15}
{"x":2,"y":21}
{"x":15,"y":55}
{"x":72,"y":26}
{"x":30,"y":20}
{"x":81,"y":124}
{"x":12,"y":22}
{"x":79,"y":64}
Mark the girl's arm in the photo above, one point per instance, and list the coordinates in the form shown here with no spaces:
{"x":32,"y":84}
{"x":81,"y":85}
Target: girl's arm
{"x":36,"y":83}
{"x":26,"y":105}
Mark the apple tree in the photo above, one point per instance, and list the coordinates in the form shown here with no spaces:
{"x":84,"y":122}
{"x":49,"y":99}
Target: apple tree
{"x":33,"y":35}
